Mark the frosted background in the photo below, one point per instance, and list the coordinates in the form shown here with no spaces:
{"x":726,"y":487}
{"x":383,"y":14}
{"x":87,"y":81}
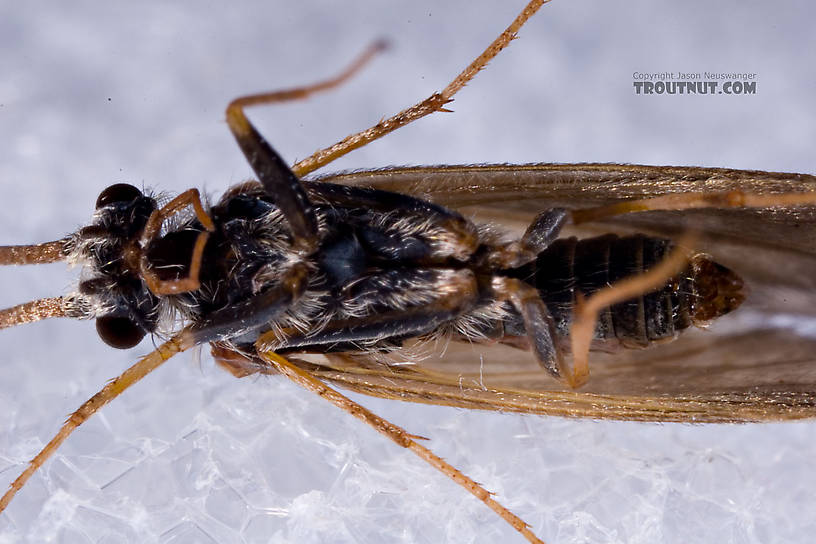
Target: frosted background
{"x":93,"y":93}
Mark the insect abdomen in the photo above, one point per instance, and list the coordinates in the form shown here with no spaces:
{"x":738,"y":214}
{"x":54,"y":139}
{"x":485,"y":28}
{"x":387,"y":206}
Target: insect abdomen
{"x":703,"y":291}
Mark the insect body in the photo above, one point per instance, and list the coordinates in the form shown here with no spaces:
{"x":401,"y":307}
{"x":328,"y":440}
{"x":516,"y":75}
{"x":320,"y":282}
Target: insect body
{"x":294,"y":266}
{"x":386,"y":268}
{"x":569,"y":267}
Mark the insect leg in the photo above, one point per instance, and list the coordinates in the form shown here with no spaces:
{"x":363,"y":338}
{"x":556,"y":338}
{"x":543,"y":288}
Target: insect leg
{"x":399,"y":435}
{"x":453,"y":235}
{"x":254,"y":312}
{"x":587,"y":310}
{"x":279,"y":182}
{"x":692,"y":200}
{"x":543,"y":231}
{"x":538,"y":323}
{"x":147,"y":364}
{"x":457,"y":292}
{"x":433,"y":103}
{"x":152,"y":229}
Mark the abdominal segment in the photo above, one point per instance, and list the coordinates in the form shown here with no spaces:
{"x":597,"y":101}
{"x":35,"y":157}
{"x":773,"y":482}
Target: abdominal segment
{"x":570,"y":268}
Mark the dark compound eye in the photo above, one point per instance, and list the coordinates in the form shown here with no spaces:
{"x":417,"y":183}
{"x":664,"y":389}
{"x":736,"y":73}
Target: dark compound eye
{"x":118,"y":193}
{"x":119,"y":332}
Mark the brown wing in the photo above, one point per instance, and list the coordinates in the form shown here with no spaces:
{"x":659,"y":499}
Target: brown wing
{"x":758,"y":363}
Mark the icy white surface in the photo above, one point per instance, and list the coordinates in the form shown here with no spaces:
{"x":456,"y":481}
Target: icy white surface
{"x":94,"y":93}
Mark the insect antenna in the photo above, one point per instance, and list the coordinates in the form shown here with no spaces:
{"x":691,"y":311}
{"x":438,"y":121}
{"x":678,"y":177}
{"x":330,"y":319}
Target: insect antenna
{"x":180,"y":342}
{"x":35,"y":310}
{"x":48,"y":252}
